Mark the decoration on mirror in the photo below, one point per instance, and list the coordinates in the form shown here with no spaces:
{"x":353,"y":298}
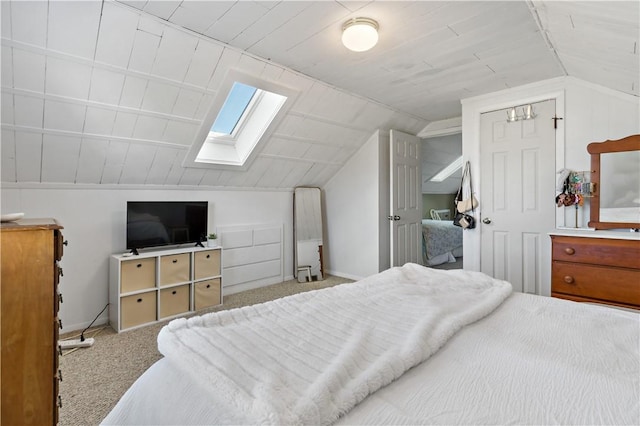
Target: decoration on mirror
{"x":574,"y":187}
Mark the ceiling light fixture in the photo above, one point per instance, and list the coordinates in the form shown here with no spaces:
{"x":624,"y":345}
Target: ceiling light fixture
{"x":360,"y":34}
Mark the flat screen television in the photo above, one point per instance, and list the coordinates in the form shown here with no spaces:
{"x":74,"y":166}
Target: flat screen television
{"x":165,"y":223}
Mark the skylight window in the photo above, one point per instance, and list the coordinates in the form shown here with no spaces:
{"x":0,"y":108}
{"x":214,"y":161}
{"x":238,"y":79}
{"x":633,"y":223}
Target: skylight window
{"x":235,"y":106}
{"x":240,"y":120}
{"x":447,"y":171}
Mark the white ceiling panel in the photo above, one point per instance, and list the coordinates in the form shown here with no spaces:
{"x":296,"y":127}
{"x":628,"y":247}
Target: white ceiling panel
{"x":199,"y":16}
{"x":69,"y":79}
{"x":93,"y":154}
{"x":159,"y":97}
{"x":8,"y":156}
{"x":180,"y":133}
{"x":137,"y":164}
{"x":28,"y":70}
{"x":6,"y":67}
{"x":29,"y":22}
{"x":60,"y":156}
{"x":64,"y":116}
{"x":5,"y":19}
{"x":106,"y":86}
{"x":187,"y":103}
{"x":118,"y":28}
{"x":270,"y":22}
{"x":124,"y":124}
{"x":174,"y":54}
{"x":28,"y":111}
{"x":192,"y":176}
{"x":99,"y":121}
{"x":149,"y":128}
{"x":116,"y":154}
{"x":203,"y":63}
{"x":28,"y":156}
{"x":228,"y":60}
{"x":6,"y":109}
{"x":162,"y":161}
{"x":133,"y":92}
{"x":144,"y":51}
{"x":73,"y":27}
{"x":162,"y":9}
{"x":234,"y":21}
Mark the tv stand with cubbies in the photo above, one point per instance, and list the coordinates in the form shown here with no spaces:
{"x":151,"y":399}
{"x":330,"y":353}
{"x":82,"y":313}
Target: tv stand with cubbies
{"x":163,"y":284}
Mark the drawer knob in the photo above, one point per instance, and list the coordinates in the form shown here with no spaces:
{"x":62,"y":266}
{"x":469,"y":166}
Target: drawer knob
{"x":570,"y":251}
{"x":208,"y":285}
{"x":139,"y":300}
{"x":60,"y":323}
{"x":139,"y":265}
{"x":59,"y":401}
{"x":174,"y":292}
{"x":60,"y":375}
{"x":175,"y":260}
{"x":65,"y":243}
{"x":208,"y":256}
{"x":569,"y":279}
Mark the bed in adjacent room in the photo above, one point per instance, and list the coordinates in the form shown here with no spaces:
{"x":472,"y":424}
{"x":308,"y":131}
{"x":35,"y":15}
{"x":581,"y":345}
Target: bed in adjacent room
{"x":411,"y":345}
{"x":441,"y":242}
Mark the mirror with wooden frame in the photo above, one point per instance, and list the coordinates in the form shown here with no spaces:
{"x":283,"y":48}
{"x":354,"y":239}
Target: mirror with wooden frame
{"x":615,"y":171}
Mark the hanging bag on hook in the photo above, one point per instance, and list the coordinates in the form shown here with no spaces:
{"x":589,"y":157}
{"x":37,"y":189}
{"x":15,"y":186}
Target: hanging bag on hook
{"x":463,"y":205}
{"x":461,"y":218}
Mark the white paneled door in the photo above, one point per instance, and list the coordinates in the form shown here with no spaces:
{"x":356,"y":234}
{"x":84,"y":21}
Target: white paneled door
{"x":406,"y":199}
{"x":517,"y":181}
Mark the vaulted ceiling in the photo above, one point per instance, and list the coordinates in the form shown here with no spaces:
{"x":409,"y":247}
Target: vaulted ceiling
{"x":111,"y":92}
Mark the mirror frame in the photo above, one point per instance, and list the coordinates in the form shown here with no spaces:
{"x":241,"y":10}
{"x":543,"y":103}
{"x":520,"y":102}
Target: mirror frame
{"x":630,"y":143}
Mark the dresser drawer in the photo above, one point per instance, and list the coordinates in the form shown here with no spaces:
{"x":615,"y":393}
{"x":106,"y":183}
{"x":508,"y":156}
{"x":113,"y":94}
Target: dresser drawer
{"x":137,"y":274}
{"x":137,"y":309}
{"x":595,"y":282}
{"x":599,"y":251}
{"x":174,"y":269}
{"x":174,"y":301}
{"x":207,"y":294}
{"x":206,"y":264}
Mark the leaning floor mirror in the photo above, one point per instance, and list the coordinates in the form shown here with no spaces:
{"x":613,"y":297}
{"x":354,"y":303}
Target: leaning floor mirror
{"x":307,"y":232}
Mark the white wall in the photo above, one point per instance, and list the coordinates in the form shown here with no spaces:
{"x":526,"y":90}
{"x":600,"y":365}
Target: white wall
{"x":353,"y":209}
{"x":590,"y":113}
{"x":94,"y":224}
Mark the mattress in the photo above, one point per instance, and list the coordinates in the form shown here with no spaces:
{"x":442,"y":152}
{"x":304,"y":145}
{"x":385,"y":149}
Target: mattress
{"x":534,"y":360}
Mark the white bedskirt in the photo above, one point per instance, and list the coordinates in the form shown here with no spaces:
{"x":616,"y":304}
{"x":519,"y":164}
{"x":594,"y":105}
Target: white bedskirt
{"x":534,"y":360}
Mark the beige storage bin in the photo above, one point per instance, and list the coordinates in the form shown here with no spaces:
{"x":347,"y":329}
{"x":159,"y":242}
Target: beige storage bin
{"x":174,"y":301}
{"x":137,"y":309}
{"x":137,"y":274}
{"x":174,"y":269}
{"x":207,"y":264}
{"x":207,"y":294}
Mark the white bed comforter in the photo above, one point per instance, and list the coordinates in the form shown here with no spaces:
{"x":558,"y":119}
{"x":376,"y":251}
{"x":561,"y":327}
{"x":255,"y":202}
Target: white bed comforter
{"x":311,"y":357}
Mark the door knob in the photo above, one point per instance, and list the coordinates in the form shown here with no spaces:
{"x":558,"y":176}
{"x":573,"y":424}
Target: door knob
{"x":395,"y":217}
{"x":486,"y":220}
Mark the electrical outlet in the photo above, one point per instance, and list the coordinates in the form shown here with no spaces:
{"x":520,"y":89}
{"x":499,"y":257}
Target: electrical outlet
{"x":76,"y":343}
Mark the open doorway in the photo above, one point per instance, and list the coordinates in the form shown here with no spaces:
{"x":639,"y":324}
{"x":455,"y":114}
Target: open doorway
{"x":441,"y":240}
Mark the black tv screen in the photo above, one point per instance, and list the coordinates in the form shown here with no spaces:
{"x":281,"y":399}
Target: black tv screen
{"x":161,"y":223}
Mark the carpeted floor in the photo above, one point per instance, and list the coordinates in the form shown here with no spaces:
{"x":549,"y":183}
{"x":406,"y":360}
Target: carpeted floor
{"x":95,"y":378}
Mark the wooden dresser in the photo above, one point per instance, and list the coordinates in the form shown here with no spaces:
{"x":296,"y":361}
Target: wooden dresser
{"x":596,"y":269}
{"x":30,"y":251}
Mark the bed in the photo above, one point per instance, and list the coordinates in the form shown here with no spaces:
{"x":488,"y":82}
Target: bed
{"x":441,"y":242}
{"x":411,"y":345}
